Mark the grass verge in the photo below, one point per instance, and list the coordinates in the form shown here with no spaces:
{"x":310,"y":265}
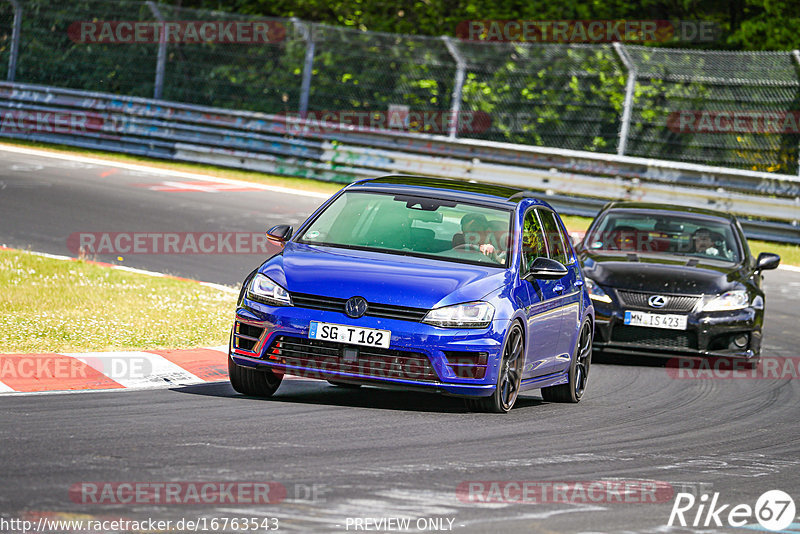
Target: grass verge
{"x":50,"y":305}
{"x":790,"y":254}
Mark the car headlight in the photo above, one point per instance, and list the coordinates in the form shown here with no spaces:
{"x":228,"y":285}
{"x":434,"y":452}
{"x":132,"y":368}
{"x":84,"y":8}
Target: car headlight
{"x":264,"y":290}
{"x":730,"y":300}
{"x":596,"y":292}
{"x":469,"y":315}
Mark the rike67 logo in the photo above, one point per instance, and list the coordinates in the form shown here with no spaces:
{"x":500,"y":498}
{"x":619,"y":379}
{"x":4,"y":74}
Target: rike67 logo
{"x":774,"y":510}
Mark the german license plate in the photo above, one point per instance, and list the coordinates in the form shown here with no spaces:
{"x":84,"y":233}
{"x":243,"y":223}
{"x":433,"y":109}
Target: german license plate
{"x":369,"y":337}
{"x":655,"y":320}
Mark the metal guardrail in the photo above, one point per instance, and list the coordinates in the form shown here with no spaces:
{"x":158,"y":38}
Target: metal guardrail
{"x":576,"y":182}
{"x":728,"y":108}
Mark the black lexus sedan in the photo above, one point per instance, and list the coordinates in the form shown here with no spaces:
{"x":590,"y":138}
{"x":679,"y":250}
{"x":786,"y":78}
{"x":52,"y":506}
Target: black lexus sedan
{"x":674,"y":281}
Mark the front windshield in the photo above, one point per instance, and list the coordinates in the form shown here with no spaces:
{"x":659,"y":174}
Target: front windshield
{"x":413,"y":226}
{"x":664,"y":233}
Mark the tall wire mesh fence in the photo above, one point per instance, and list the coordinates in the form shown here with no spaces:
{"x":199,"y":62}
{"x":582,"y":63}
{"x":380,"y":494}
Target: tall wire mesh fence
{"x":759,"y":86}
{"x":249,"y":76}
{"x":566,"y":96}
{"x":360,"y":70}
{"x":686,"y":105}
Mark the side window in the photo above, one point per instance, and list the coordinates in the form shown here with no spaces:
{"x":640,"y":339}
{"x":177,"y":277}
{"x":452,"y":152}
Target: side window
{"x":555,"y":237}
{"x":532,"y":240}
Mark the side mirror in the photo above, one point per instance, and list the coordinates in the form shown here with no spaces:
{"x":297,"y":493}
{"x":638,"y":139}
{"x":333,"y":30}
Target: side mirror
{"x":546,"y":269}
{"x":767,"y":261}
{"x":280,"y":234}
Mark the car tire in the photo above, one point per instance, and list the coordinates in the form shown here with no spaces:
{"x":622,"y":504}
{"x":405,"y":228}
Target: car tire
{"x":346,"y":385}
{"x":509,"y":376}
{"x":579,"y":366}
{"x":252,"y":382}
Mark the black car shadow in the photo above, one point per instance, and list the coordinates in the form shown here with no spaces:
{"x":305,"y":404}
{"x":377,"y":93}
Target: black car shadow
{"x":319,"y":392}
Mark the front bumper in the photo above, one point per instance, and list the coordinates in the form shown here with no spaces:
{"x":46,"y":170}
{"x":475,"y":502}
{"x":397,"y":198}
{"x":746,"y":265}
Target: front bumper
{"x":707,"y":335}
{"x":420,"y":356}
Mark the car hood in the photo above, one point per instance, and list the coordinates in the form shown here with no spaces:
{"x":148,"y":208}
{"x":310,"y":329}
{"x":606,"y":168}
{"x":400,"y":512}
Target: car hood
{"x":666,"y":274}
{"x":381,"y":278}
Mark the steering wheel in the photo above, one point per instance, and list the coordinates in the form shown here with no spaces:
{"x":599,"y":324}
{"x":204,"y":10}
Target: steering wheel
{"x":468,"y":247}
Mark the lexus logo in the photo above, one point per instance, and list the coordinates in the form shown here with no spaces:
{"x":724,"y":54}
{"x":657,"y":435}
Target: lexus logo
{"x":355,"y":307}
{"x":657,"y":301}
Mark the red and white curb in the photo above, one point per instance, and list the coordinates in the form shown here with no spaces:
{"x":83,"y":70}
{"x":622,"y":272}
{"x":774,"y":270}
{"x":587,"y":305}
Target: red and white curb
{"x":27,"y":374}
{"x":48,"y":372}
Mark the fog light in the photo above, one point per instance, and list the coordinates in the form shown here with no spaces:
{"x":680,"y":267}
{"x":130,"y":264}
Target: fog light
{"x":740,"y":341}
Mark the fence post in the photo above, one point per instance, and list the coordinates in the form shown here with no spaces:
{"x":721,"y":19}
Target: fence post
{"x":458,"y":86}
{"x":12,"y":56}
{"x":158,"y":90}
{"x":627,"y":106}
{"x":308,"y":66}
{"x":796,"y":54}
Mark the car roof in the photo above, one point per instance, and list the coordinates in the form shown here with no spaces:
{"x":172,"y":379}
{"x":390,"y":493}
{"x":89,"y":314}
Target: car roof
{"x":650,"y":206}
{"x":460,"y":190}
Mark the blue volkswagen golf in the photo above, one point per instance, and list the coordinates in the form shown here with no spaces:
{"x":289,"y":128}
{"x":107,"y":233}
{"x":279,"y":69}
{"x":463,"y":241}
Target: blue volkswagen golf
{"x":453,"y":287}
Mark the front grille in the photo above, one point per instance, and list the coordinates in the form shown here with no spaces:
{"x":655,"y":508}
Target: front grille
{"x":675,"y":303}
{"x":326,"y":357}
{"x":384,"y":311}
{"x":655,"y":337}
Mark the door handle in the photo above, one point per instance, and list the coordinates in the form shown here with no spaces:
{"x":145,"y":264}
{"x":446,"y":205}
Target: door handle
{"x":578,"y":283}
{"x":559,"y":288}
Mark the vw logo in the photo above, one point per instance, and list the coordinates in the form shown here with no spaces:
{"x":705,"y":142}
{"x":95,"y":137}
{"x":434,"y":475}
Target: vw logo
{"x":355,"y":307}
{"x":657,"y":301}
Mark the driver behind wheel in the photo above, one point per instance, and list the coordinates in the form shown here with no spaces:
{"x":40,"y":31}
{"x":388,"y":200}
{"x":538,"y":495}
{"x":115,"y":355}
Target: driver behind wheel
{"x":703,"y":243}
{"x":477,"y":234}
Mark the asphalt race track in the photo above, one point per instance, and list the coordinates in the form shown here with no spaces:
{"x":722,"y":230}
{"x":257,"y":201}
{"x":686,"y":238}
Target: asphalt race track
{"x":344,"y":455}
{"x":44,"y":201}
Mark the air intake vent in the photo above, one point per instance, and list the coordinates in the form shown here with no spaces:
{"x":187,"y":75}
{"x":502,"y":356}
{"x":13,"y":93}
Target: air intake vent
{"x":467,"y":364}
{"x":654,"y":337}
{"x":245,"y":336}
